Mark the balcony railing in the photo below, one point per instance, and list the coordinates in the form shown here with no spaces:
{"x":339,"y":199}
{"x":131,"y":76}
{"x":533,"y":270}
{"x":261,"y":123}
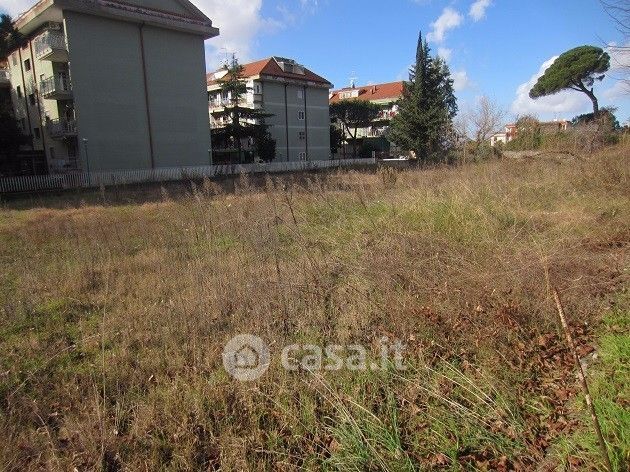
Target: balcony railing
{"x":57,"y":87}
{"x":5,"y":77}
{"x":244,"y":102}
{"x":61,"y":128}
{"x":51,"y":45}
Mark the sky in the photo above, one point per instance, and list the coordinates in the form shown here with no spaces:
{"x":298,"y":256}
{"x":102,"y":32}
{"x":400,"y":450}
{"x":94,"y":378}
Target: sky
{"x":495,"y":48}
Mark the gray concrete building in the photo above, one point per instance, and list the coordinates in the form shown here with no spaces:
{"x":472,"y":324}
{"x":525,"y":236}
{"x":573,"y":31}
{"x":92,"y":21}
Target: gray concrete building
{"x":113,"y":85}
{"x":297,"y":99}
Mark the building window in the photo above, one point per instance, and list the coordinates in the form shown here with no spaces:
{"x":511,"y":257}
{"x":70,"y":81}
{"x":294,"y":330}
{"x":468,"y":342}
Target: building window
{"x":18,"y":90}
{"x":36,"y":133}
{"x":23,"y":124}
{"x":14,"y":59}
{"x":301,"y":115}
{"x":31,"y":99}
{"x":302,"y":135}
{"x":257,"y":88}
{"x":27,"y":64}
{"x":52,"y":152}
{"x":300,"y":93}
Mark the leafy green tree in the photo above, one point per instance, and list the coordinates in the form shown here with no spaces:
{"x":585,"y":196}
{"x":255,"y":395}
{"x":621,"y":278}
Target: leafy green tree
{"x":10,"y":38}
{"x":243,"y":122}
{"x":424,"y":123}
{"x":354,"y":114}
{"x":576,"y":69}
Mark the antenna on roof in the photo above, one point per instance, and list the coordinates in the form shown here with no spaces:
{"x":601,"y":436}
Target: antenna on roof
{"x":228,"y":53}
{"x":353,"y":80}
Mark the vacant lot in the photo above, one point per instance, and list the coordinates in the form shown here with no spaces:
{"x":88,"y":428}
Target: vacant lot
{"x":114,"y":314}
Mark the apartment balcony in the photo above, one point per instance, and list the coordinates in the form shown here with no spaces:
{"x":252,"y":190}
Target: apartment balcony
{"x":60,"y":129}
{"x":220,"y":105}
{"x":51,"y":46}
{"x":57,"y":87}
{"x":5,"y":78}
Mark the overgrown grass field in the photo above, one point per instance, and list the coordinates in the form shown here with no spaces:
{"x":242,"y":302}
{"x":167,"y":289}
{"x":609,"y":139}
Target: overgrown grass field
{"x":115,"y":307}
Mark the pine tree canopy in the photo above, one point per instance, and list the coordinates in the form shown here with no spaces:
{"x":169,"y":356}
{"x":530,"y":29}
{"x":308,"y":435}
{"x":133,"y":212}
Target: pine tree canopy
{"x":576,"y":69}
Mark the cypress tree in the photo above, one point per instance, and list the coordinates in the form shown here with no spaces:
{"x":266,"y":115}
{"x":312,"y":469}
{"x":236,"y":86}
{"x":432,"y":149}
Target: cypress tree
{"x":427,"y":108}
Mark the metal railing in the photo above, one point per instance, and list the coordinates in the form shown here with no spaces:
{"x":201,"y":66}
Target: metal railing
{"x":61,"y":127}
{"x":59,"y":83}
{"x":227,"y":102}
{"x":48,"y":42}
{"x":5,"y":75}
{"x":124,"y":177}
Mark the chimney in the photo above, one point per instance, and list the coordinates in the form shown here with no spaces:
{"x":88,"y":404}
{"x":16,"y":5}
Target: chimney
{"x":373,"y":89}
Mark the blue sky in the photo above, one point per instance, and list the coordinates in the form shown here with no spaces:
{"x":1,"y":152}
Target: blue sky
{"x":492,"y":50}
{"x":494,"y":47}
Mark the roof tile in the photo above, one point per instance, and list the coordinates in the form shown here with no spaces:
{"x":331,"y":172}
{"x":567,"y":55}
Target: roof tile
{"x":390,"y":90}
{"x":270,"y":67}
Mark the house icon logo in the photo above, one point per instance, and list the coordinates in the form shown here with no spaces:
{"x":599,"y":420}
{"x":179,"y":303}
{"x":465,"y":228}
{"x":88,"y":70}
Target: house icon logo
{"x":246,"y":357}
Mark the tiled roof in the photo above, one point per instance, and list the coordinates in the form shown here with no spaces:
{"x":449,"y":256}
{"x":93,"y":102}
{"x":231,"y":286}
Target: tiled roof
{"x":390,"y":90}
{"x":270,"y":67}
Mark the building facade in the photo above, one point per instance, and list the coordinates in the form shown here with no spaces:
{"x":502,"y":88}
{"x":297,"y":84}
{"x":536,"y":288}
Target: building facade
{"x":386,"y":96}
{"x":296,"y":99}
{"x":110,"y":85}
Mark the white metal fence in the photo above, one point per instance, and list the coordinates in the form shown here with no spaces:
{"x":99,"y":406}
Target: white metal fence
{"x":165,"y":174}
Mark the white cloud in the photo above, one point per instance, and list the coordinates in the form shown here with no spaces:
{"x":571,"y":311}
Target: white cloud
{"x":445,"y":53}
{"x":448,"y":20}
{"x":239,"y":21}
{"x":478,"y":9}
{"x":562,"y":105}
{"x":460,"y":80}
{"x":15,"y":7}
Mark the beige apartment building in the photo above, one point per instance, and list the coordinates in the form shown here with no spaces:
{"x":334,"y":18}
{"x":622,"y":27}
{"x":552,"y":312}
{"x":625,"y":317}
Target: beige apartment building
{"x":386,"y":96}
{"x":105,"y":85}
{"x":295,"y":97}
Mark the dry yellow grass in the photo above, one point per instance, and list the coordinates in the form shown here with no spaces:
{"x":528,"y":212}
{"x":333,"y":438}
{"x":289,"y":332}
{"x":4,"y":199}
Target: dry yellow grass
{"x":114,"y":313}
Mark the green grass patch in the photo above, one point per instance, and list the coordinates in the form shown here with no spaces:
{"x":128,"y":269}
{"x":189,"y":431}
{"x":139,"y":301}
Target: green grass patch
{"x":609,"y":382}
